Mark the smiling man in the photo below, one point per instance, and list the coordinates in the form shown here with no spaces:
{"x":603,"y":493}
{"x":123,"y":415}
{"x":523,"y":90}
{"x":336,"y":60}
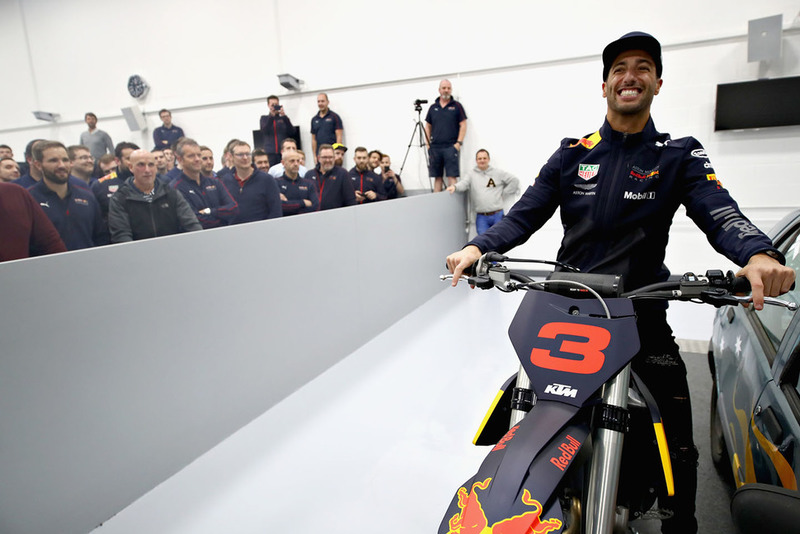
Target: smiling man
{"x":144,"y":207}
{"x":487,"y":186}
{"x":74,"y":211}
{"x":617,"y":190}
{"x":209,"y":198}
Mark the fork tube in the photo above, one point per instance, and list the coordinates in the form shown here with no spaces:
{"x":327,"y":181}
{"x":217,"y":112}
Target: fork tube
{"x":606,"y":459}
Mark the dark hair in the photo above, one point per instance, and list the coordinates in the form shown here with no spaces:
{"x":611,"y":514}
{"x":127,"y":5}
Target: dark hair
{"x":360,"y":149}
{"x":122,"y":146}
{"x":259,"y":152}
{"x":483,"y":150}
{"x":203,"y":148}
{"x":288,"y":139}
{"x":5,"y":146}
{"x":39,"y":148}
{"x":29,"y":147}
{"x":273,"y":97}
{"x":89,"y":114}
{"x":378,"y":152}
{"x":163,"y":110}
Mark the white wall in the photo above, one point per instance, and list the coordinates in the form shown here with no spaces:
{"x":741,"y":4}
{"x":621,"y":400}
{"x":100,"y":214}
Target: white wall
{"x":528,"y":73}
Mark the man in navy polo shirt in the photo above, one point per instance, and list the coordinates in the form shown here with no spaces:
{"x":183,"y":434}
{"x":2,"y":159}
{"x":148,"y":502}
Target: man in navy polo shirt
{"x":73,"y":211}
{"x":298,"y":195}
{"x":445,"y":126}
{"x":367,"y":184}
{"x":326,"y":126}
{"x":213,"y":205}
{"x":333,"y":184}
{"x":167,"y":134}
{"x":255,"y":191}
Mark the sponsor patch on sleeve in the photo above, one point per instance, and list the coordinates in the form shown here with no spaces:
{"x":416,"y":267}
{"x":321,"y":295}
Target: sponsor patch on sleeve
{"x":713,"y":178}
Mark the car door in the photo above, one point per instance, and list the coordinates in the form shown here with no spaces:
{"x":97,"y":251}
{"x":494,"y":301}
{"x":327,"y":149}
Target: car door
{"x":775,"y":422}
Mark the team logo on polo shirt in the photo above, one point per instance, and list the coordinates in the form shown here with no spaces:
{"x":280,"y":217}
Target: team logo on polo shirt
{"x":587,"y":171}
{"x":82,"y":201}
{"x":113,"y":188}
{"x":211,"y":187}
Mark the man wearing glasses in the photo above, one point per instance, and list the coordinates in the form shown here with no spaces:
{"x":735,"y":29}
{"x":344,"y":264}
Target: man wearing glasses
{"x":255,"y":191}
{"x":82,"y":162}
{"x":334,"y":186}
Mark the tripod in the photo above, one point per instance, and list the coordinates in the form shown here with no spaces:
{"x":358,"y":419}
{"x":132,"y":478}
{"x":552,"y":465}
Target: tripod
{"x":421,"y":135}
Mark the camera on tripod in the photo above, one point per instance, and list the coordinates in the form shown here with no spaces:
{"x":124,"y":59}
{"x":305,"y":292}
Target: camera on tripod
{"x":418,"y":104}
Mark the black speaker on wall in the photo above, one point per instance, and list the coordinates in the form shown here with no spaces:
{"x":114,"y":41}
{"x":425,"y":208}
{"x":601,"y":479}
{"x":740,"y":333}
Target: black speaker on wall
{"x":758,"y":104}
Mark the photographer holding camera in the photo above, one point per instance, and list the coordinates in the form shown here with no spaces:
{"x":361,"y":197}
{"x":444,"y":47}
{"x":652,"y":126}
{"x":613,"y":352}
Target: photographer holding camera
{"x":275,"y":127}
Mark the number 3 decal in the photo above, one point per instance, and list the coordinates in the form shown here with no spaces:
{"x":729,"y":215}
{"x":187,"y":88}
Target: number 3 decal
{"x":597,"y":339}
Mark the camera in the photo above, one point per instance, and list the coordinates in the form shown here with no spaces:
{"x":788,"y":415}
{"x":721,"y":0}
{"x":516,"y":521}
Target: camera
{"x":276,"y":107}
{"x":418,"y":104}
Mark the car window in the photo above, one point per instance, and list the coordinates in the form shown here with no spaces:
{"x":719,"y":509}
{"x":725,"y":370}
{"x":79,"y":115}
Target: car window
{"x":774,"y":319}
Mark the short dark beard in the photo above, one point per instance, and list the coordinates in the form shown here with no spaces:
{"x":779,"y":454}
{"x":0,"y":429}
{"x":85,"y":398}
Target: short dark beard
{"x":54,"y":178}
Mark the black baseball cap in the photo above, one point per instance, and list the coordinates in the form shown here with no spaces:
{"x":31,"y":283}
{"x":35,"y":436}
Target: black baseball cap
{"x":632,"y":41}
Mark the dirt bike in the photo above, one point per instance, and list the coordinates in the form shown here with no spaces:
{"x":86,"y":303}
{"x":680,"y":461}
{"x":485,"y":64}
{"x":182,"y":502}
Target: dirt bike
{"x":557,"y":426}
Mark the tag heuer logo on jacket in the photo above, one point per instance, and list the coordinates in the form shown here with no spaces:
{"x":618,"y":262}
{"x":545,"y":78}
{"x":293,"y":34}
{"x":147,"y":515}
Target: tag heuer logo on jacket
{"x":588,"y":171}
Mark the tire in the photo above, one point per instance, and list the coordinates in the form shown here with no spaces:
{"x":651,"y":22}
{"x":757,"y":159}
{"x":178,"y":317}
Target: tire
{"x":719,"y":451}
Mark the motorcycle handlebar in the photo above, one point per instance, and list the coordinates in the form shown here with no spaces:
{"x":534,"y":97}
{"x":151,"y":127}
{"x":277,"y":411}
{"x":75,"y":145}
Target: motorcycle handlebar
{"x":716,"y":288}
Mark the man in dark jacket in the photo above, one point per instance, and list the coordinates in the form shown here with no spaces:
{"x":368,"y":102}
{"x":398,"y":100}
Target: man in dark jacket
{"x":617,"y":190}
{"x":144,"y":207}
{"x":275,"y":127}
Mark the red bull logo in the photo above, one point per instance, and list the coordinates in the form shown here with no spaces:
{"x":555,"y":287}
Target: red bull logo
{"x":508,"y":437}
{"x":568,"y":450}
{"x":472,"y":520}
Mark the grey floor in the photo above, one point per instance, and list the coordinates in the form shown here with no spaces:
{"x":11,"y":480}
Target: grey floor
{"x":380,"y":442}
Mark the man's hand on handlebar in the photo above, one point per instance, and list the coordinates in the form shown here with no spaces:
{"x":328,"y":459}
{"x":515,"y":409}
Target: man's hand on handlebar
{"x":457,"y":262}
{"x":767,"y":278}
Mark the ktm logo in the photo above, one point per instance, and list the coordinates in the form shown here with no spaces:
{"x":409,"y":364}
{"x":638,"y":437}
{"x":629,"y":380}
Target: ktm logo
{"x":561,"y":390}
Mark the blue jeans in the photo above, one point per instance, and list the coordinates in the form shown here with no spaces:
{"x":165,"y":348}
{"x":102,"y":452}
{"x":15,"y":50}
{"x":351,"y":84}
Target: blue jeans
{"x":484,"y":222}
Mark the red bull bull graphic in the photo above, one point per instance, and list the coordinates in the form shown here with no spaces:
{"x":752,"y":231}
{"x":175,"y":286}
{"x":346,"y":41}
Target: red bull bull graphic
{"x":472,"y":520}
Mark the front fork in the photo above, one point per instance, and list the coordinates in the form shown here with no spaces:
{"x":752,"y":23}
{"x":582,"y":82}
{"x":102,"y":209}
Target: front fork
{"x":601,"y":499}
{"x":600,"y":505}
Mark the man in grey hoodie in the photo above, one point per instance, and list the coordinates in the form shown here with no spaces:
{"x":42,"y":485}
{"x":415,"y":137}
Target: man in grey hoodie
{"x":487,"y":186}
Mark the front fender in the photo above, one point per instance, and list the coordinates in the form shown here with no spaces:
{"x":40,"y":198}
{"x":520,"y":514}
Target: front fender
{"x":517,"y":481}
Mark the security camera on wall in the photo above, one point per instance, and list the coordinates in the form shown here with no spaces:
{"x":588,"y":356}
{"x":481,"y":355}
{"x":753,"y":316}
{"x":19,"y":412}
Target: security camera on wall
{"x":290,"y":82}
{"x":46,"y":116}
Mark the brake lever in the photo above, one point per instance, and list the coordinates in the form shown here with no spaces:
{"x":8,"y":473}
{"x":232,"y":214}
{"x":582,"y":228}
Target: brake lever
{"x":719,"y":297}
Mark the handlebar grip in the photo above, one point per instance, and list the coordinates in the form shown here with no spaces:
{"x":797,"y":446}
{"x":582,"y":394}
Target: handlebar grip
{"x":740,"y":284}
